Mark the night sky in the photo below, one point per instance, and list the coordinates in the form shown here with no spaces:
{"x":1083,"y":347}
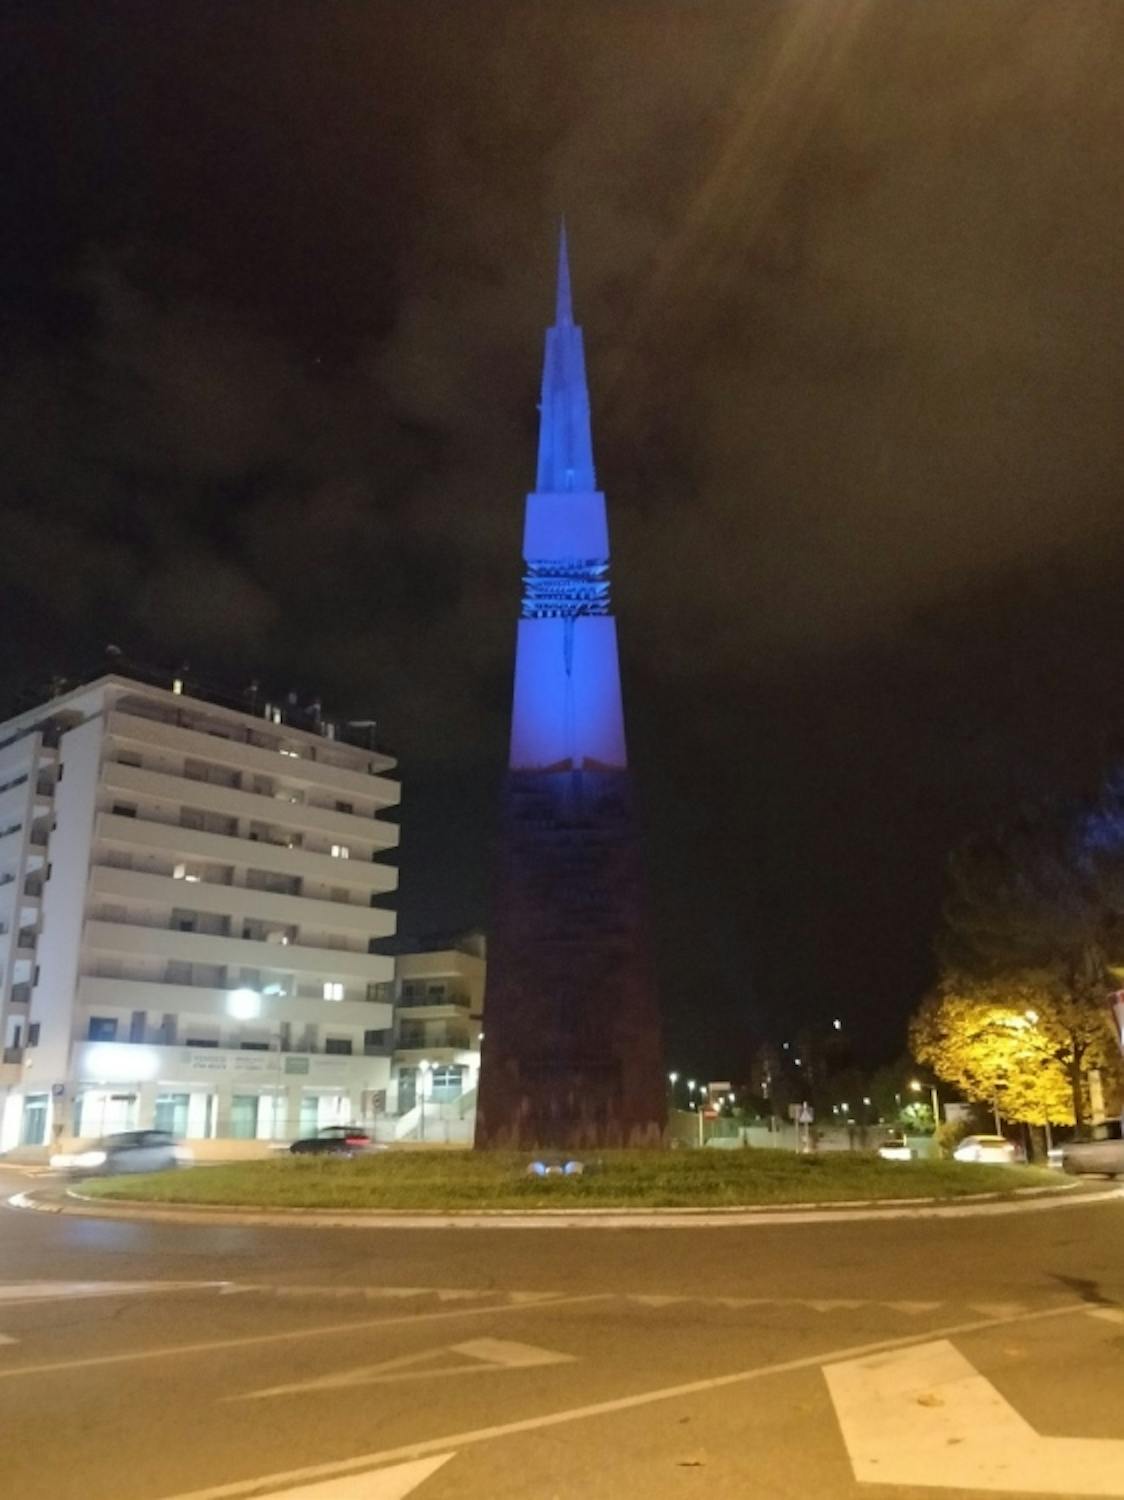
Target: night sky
{"x":273,"y":280}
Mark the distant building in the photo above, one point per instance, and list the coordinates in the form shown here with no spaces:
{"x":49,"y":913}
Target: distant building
{"x":438,"y":998}
{"x":191,"y":893}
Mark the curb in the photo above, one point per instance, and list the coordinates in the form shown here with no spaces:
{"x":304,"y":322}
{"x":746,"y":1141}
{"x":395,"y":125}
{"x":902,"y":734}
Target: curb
{"x":1022,"y":1200}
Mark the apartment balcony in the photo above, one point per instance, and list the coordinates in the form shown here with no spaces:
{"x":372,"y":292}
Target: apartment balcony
{"x":241,"y":903}
{"x":218,"y":848}
{"x":20,"y":994}
{"x":414,"y":1003}
{"x":135,"y":1063}
{"x":206,"y":948}
{"x":455,"y":1037}
{"x":412,"y":1057}
{"x":96,"y":996}
{"x":381,"y":791}
{"x":253,"y":807}
{"x":12,"y":1055}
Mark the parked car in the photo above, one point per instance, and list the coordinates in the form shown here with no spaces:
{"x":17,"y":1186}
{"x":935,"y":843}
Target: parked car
{"x":334,"y":1140}
{"x":895,"y":1148}
{"x":1101,"y":1151}
{"x":131,"y":1151}
{"x":987,"y":1148}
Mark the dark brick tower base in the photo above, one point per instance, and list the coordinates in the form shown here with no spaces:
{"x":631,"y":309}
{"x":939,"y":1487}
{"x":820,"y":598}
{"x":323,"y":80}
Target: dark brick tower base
{"x":572,"y":1052}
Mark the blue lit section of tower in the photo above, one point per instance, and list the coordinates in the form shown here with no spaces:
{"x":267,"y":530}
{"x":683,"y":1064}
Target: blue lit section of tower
{"x":567,"y":710}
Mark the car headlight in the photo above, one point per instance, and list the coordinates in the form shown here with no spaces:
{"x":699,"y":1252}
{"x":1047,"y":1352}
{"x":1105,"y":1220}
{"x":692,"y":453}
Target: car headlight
{"x":90,"y":1159}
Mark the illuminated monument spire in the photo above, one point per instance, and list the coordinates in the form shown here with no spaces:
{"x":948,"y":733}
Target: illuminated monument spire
{"x":573,"y":1038}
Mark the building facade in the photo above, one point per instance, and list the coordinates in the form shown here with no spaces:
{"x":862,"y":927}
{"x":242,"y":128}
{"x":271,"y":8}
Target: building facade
{"x":438,"y":997}
{"x":191,"y":895}
{"x":574,"y":1047}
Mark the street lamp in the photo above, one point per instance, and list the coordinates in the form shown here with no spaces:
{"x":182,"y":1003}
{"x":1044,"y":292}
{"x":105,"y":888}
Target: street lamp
{"x":916,"y":1085}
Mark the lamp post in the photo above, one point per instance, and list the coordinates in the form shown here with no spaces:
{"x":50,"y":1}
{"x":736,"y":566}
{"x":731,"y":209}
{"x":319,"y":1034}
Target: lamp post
{"x":423,"y":1083}
{"x":916,"y":1085}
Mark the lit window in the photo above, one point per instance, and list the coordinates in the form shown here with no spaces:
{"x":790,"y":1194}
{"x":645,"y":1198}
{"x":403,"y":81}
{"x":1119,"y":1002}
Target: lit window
{"x":333,"y":989}
{"x":180,"y":872}
{"x":340,"y":851}
{"x":292,"y":754}
{"x":177,"y":684}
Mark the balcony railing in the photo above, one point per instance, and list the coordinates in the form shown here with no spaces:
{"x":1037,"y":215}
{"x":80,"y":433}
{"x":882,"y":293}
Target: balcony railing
{"x":13,"y":1054}
{"x":406,"y":1002}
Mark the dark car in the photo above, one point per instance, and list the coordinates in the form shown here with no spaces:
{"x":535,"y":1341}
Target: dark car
{"x":1102,"y":1151}
{"x":333,"y":1140}
{"x":131,"y":1151}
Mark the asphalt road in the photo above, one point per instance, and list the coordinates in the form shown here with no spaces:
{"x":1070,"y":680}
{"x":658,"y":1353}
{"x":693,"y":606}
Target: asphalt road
{"x":929,"y":1357}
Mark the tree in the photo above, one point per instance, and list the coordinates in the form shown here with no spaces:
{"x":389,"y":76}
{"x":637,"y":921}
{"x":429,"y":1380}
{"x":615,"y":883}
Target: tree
{"x":987,"y":1040}
{"x":1035,"y":910}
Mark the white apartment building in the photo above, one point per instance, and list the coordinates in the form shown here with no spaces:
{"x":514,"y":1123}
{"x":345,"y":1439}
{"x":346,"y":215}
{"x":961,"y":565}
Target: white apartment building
{"x":438,"y":997}
{"x":190,"y":897}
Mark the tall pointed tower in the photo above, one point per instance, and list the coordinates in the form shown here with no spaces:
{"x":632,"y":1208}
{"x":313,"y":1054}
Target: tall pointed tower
{"x":572,"y":1056}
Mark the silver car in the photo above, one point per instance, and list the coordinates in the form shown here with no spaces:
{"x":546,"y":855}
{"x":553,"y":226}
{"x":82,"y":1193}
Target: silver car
{"x":1102,"y":1151}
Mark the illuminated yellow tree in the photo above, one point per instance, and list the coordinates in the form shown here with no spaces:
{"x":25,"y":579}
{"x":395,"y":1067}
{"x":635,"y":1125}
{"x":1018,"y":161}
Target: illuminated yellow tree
{"x":991,"y":1042}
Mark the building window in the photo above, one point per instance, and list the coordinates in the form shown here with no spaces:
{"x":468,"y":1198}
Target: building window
{"x":333,"y":989}
{"x":340,"y":851}
{"x":446,"y":1082}
{"x":124,"y":810}
{"x":338,"y":1044}
{"x":177,"y":685}
{"x":345,"y":807}
{"x":33,"y":1034}
{"x":103,"y":1029}
{"x":374,"y":1042}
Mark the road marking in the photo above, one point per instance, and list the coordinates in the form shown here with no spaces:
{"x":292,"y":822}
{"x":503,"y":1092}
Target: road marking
{"x":6,"y":1338}
{"x":383,"y":1484}
{"x":288,"y":1335}
{"x":1109,"y":1314}
{"x":485,"y":1354}
{"x":379,"y":1293}
{"x":59,"y":1291}
{"x":454,"y":1441}
{"x":914,"y":1307}
{"x":926,"y":1416}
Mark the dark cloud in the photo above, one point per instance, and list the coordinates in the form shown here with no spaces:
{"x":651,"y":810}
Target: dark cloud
{"x":272,"y":286}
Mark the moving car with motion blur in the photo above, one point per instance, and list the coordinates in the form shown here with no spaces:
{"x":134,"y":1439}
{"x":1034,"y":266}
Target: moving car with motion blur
{"x":334,"y":1140}
{"x":987,"y":1148}
{"x":1100,"y":1152}
{"x":131,"y":1151}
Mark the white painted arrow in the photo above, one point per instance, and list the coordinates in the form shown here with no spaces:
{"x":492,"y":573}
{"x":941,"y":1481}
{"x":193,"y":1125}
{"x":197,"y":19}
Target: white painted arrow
{"x":487,"y":1354}
{"x":925,"y":1416}
{"x":375,"y":1484}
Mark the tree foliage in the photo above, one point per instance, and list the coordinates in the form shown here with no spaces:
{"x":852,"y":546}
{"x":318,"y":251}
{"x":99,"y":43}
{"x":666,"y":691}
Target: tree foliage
{"x":1033,"y":922}
{"x":982,"y":1040}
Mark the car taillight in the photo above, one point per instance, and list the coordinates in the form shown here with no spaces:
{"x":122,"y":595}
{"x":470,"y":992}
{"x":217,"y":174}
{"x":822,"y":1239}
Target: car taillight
{"x":355,"y":1140}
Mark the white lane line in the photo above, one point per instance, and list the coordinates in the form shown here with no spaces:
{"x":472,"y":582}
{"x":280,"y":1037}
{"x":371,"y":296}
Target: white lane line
{"x":383,"y":1484}
{"x":484,"y":1354}
{"x":6,"y":1338}
{"x":997,"y":1309}
{"x":61,"y":1291}
{"x":913,"y":1307}
{"x":290,"y":1335}
{"x":926,"y":1416}
{"x":454,"y":1441}
{"x":1109,"y":1314}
